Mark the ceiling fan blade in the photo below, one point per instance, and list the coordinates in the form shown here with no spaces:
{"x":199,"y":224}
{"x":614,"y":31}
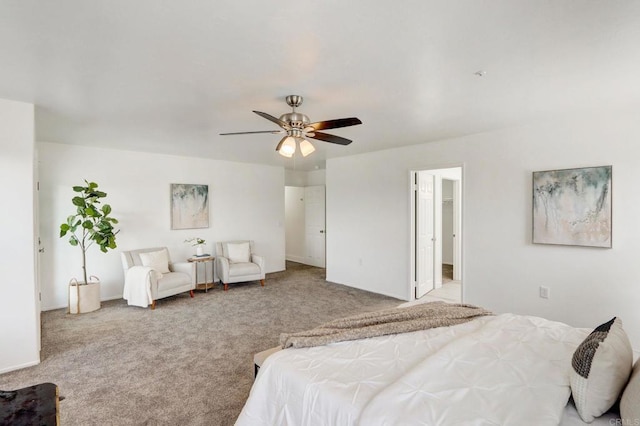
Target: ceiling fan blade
{"x":334,"y":124}
{"x":330,"y":138}
{"x":275,"y":120}
{"x":273,"y":132}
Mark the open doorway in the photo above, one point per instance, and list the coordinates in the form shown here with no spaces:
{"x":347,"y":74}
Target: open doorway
{"x":436,"y":229}
{"x":305,"y":225}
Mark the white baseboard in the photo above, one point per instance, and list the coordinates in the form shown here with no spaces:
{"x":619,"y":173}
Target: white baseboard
{"x":19,"y":366}
{"x":297,"y":259}
{"x":52,"y":308}
{"x":384,"y":293}
{"x":104,"y":299}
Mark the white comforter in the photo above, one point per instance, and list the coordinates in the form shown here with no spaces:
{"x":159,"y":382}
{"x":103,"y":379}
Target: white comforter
{"x":501,"y":370}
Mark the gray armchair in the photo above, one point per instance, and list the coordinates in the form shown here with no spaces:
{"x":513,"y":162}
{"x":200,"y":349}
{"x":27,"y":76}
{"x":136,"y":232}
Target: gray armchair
{"x":150,"y":275}
{"x":236,"y":262}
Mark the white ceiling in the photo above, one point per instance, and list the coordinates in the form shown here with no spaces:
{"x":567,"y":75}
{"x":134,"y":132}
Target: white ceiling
{"x":169,"y":76}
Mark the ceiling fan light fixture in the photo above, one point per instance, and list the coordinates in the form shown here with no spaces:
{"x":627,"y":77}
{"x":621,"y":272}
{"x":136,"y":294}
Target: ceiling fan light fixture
{"x":288,"y":147}
{"x":306,"y":147}
{"x":298,"y":129}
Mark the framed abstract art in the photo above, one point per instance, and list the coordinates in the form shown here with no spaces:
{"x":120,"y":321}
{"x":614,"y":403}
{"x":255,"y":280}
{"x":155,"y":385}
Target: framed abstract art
{"x":189,"y":206}
{"x":573,"y":207}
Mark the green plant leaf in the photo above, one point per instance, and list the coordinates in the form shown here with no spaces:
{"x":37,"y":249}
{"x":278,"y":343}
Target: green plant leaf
{"x":90,"y":211}
{"x":71,"y":224}
{"x":97,"y":227}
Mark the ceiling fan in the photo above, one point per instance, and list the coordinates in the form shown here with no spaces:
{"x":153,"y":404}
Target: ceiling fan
{"x":297,"y":128}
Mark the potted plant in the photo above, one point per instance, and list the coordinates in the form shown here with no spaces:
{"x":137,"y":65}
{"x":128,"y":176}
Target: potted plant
{"x":198,"y":243}
{"x":91,"y":224}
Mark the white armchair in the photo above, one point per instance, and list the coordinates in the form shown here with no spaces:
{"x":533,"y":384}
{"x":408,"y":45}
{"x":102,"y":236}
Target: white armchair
{"x":236,"y":262}
{"x":150,"y":275}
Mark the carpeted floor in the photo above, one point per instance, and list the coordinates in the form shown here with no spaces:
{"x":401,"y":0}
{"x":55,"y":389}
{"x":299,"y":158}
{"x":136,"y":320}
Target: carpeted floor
{"x":189,"y":362}
{"x":447,"y":273}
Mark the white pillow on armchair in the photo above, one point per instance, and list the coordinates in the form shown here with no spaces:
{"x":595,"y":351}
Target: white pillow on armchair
{"x":158,"y":260}
{"x":239,"y":252}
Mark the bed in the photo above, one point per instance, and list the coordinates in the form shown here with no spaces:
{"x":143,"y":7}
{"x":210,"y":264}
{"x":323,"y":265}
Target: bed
{"x":502,"y":370}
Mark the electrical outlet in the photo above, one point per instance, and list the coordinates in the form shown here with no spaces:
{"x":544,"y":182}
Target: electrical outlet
{"x":544,"y":292}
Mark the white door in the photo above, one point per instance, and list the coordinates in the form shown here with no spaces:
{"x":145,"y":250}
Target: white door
{"x":315,"y":225}
{"x":425,"y":233}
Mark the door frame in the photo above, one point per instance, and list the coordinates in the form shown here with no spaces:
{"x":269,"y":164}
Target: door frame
{"x":38,"y":249}
{"x":460,"y":196}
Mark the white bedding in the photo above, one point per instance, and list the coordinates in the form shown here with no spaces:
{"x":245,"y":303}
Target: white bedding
{"x":570,"y":417}
{"x":503,"y":370}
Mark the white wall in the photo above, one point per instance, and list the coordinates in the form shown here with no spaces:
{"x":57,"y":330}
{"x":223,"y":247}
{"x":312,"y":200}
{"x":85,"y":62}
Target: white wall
{"x":295,"y":223}
{"x":302,"y":178}
{"x":20,"y":329}
{"x":367,"y":211}
{"x":295,"y":178}
{"x":316,"y":178}
{"x":246,"y":201}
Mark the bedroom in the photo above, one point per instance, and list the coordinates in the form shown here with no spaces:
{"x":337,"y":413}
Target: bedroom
{"x":590,"y":121}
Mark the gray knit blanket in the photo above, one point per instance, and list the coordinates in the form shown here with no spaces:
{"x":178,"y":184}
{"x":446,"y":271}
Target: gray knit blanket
{"x":381,"y":323}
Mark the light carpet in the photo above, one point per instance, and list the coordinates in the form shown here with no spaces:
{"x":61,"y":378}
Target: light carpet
{"x":189,"y":362}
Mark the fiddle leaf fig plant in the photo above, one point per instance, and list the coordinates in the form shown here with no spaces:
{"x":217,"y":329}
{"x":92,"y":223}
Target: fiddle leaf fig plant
{"x":91,"y":224}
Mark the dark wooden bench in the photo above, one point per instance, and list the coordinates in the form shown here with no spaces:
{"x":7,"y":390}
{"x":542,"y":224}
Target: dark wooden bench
{"x":34,"y":405}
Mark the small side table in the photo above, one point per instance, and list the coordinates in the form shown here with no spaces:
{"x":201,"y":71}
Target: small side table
{"x":204,"y":260}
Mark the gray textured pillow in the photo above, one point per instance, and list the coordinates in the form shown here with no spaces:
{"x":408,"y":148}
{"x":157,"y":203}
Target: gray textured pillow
{"x":630,"y":403}
{"x":600,"y":369}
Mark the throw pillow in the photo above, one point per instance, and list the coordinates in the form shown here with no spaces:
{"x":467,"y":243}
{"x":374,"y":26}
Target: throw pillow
{"x":158,"y":260}
{"x":629,"y":405}
{"x":239,"y":252}
{"x":601,"y":367}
